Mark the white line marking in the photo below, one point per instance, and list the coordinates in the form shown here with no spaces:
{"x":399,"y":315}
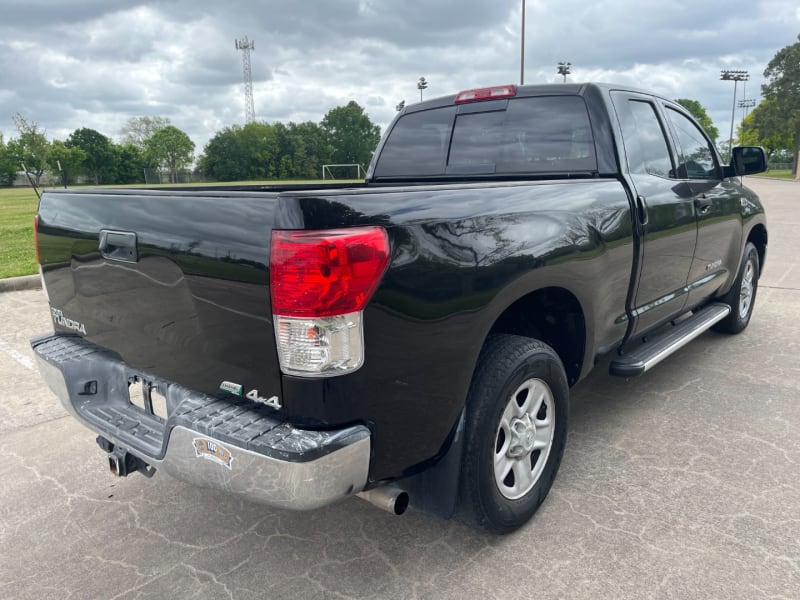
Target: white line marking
{"x":25,"y":361}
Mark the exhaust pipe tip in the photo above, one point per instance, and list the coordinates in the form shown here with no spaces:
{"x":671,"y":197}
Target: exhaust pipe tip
{"x":388,"y":498}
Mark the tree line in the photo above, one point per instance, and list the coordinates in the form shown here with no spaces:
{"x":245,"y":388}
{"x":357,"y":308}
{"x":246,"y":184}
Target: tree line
{"x":148,"y":142}
{"x":775,"y":122}
{"x":258,"y":150}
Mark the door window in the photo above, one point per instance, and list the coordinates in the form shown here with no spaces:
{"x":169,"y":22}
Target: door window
{"x":645,"y":145}
{"x":697,"y":154}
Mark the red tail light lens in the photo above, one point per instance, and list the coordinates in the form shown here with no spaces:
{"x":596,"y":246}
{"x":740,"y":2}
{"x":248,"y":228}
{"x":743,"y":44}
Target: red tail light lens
{"x":36,"y":238}
{"x":326,"y":273}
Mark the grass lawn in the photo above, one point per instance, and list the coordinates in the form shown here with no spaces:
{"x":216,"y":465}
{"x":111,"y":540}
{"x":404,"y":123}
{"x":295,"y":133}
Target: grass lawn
{"x":17,"y":254}
{"x":778,"y":174}
{"x":18,"y":206}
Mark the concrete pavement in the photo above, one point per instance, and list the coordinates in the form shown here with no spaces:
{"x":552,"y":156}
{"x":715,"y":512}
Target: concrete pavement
{"x":684,"y":483}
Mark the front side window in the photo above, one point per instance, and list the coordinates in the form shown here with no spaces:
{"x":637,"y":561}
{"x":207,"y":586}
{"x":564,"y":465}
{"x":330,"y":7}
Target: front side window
{"x":697,"y":155}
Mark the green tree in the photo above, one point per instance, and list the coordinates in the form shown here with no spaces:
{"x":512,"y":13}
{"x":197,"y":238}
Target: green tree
{"x":98,"y":163}
{"x":129,"y":163}
{"x":309,"y":148}
{"x":224,"y":156}
{"x":171,"y":149}
{"x":137,"y":130}
{"x":698,"y":111}
{"x":763,"y":127}
{"x":782,"y":91}
{"x":70,"y":160}
{"x":8,"y":167}
{"x":30,"y":148}
{"x":351,"y":134}
{"x":266,"y":151}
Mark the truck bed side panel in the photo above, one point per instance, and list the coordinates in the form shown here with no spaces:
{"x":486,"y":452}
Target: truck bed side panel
{"x":461,"y":254}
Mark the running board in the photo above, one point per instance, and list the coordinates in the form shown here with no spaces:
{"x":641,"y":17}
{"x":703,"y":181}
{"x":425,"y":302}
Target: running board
{"x":652,"y":352}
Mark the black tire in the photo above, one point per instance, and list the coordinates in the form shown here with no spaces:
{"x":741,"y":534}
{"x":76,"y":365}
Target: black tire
{"x":742,"y":296}
{"x":512,"y":369}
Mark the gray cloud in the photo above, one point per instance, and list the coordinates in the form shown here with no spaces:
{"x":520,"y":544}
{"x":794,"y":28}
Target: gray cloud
{"x":96,"y":63}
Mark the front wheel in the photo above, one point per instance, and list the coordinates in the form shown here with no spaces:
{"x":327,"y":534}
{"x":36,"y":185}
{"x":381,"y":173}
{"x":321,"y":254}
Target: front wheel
{"x":517,"y":413}
{"x":742,"y":296}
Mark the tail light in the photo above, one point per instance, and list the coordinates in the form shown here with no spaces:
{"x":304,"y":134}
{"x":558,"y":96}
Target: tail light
{"x":36,"y":238}
{"x":320,"y":282}
{"x":38,"y":254}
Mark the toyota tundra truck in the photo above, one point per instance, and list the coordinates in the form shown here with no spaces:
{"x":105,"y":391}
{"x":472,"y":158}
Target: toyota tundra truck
{"x":412,"y":339}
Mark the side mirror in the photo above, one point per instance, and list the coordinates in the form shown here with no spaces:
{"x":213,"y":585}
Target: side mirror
{"x":747,"y":160}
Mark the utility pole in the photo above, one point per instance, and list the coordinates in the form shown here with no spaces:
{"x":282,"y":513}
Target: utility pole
{"x":245,"y":46}
{"x":735,"y":76}
{"x":563,"y":69}
{"x":522,"y":49}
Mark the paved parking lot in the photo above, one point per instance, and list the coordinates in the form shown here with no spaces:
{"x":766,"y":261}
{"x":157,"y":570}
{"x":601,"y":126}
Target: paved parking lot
{"x":684,"y":483}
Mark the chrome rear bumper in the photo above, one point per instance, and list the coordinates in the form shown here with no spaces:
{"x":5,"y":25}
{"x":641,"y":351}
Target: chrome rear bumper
{"x":232,"y":445}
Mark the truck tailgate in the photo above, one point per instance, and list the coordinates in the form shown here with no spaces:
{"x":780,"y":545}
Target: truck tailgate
{"x":174,"y":282}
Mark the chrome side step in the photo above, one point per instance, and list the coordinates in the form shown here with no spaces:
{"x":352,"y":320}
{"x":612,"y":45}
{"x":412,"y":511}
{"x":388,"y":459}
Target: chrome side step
{"x":645,"y":357}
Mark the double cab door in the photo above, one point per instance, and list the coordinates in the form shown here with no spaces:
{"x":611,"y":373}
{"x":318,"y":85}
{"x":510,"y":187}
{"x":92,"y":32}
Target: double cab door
{"x":688,"y":215}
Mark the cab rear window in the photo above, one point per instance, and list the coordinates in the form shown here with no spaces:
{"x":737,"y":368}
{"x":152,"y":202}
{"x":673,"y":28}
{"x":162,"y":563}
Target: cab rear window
{"x":546,"y":134}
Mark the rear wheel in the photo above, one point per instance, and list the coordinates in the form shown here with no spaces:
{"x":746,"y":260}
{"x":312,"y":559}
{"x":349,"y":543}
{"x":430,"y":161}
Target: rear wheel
{"x":517,"y":413}
{"x":742,"y":295}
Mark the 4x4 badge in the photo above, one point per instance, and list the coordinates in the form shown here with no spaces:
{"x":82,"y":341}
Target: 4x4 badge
{"x":273,"y":402}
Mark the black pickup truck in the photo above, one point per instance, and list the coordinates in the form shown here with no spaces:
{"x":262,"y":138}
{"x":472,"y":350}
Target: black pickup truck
{"x":411,"y":339}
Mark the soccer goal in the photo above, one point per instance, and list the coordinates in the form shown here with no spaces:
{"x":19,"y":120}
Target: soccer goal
{"x":330,"y":171}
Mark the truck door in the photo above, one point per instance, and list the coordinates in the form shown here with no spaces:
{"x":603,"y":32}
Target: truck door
{"x":665,"y":212}
{"x":717,"y":204}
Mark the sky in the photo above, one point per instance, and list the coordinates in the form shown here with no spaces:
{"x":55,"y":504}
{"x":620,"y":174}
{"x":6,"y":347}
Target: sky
{"x":67,"y":64}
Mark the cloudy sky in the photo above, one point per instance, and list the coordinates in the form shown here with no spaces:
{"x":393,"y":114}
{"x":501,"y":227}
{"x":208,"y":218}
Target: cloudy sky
{"x":95,"y":63}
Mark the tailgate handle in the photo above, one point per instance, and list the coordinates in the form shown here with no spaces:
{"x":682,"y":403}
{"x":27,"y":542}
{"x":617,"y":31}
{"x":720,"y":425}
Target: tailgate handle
{"x":119,"y":245}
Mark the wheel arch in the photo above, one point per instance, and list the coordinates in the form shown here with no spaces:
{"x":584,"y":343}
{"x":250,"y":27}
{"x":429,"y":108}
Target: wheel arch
{"x":553,"y":315}
{"x":758,"y":237}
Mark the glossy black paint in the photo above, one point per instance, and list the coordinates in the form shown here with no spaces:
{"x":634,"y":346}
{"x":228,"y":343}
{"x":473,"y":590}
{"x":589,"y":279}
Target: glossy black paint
{"x":461,"y":255}
{"x":195,"y":308}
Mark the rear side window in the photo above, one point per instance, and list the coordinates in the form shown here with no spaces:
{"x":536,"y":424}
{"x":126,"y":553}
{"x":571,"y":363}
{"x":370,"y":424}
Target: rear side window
{"x":645,"y":145}
{"x":548,"y":134}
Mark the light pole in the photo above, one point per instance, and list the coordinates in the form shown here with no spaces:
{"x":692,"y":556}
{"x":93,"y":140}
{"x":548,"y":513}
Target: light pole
{"x":746,"y":103}
{"x":735,"y":76}
{"x":522,"y":49}
{"x":421,"y":85}
{"x":563,"y":69}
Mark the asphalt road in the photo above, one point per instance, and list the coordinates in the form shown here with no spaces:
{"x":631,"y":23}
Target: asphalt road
{"x":684,"y":483}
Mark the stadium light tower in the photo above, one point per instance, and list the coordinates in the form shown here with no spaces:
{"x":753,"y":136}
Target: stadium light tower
{"x":422,"y":84}
{"x":563,"y":69}
{"x":735,"y":76}
{"x":746,"y":104}
{"x":245,"y":46}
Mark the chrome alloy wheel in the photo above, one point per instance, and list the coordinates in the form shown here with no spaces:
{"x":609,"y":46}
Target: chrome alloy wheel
{"x":524,"y":438}
{"x":746,"y":290}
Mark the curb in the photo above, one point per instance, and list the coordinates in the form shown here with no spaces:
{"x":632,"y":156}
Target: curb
{"x":16,"y":284}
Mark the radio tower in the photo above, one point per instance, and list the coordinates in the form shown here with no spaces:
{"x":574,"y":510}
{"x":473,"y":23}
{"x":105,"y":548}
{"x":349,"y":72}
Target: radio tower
{"x":245,"y":46}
